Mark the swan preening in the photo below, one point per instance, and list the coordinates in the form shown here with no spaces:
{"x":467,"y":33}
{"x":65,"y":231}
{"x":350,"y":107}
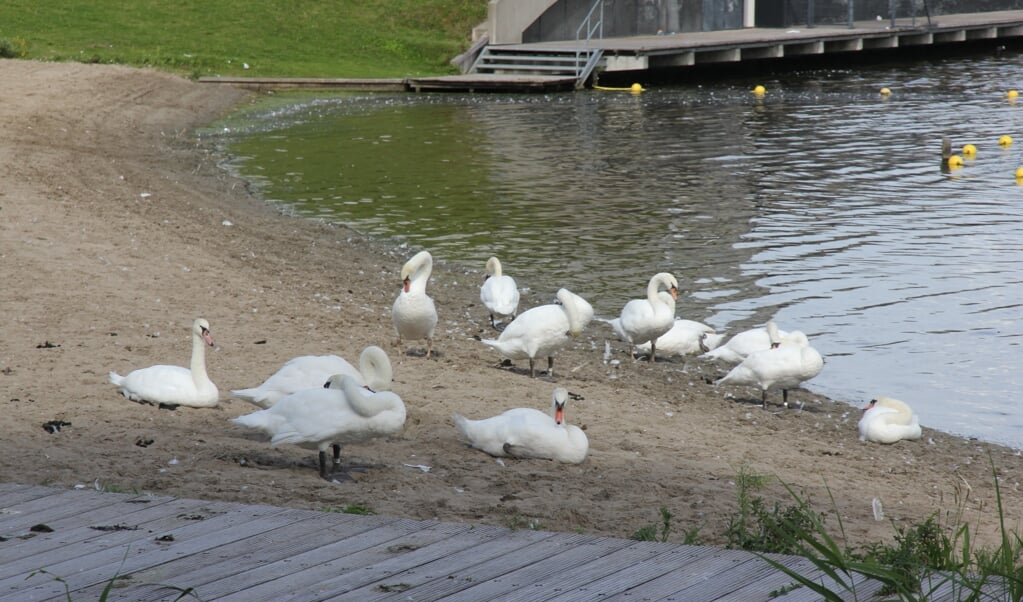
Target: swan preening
{"x":171,"y":386}
{"x":309,"y":371}
{"x":644,"y":320}
{"x":542,"y":331}
{"x":499,"y":293}
{"x":528,"y":433}
{"x":784,"y":367}
{"x":413,"y":313}
{"x":686,"y":337}
{"x":887,"y":420}
{"x":340,"y":412}
{"x":745,"y":343}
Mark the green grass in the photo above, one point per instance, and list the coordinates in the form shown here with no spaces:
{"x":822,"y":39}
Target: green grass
{"x":923,"y":557}
{"x":275,"y":38}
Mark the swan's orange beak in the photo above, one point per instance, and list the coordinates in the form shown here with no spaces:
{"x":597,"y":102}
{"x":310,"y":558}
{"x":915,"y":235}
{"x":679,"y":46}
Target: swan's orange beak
{"x":408,"y":284}
{"x":870,"y":405}
{"x":206,"y":337}
{"x":674,"y":293}
{"x":559,"y":415}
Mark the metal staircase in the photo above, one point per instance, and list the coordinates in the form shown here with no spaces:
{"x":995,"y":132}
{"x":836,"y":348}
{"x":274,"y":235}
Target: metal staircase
{"x":551,"y":62}
{"x":577,"y":62}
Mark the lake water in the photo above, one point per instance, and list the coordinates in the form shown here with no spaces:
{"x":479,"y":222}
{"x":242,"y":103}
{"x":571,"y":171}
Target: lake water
{"x":823,"y":206}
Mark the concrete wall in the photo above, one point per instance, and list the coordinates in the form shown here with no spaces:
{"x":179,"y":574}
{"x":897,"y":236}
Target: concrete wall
{"x":786,"y":13}
{"x":517,"y":21}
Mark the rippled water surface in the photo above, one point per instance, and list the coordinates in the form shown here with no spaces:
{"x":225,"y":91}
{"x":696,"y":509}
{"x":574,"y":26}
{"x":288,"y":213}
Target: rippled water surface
{"x":823,"y":206}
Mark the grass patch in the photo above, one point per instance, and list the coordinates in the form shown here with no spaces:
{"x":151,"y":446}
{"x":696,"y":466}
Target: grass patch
{"x":271,"y":38}
{"x":923,"y":558}
{"x":352,"y":509}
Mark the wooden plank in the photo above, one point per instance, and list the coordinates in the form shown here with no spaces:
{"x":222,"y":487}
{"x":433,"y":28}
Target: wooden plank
{"x":579,"y":583}
{"x":303,"y":573}
{"x":779,"y":580}
{"x":572,"y":554}
{"x":98,"y":562}
{"x":430,"y":581}
{"x":663,"y":558}
{"x":706,"y":565}
{"x":12,"y":494}
{"x":220,"y":570}
{"x":383,"y":560}
{"x":456,"y":578}
{"x":63,"y":503}
{"x":50,"y":548}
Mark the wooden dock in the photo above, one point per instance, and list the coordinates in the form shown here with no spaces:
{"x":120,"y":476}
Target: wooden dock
{"x":85,"y":540}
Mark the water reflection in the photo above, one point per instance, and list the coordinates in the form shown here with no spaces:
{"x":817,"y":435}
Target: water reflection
{"x":821,"y":205}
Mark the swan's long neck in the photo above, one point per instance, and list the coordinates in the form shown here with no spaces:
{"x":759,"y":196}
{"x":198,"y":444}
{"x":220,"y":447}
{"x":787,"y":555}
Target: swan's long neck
{"x":420,"y":274}
{"x":375,"y":368}
{"x":568,"y":304}
{"x":198,"y":363}
{"x":366,"y":403}
{"x":495,"y":267}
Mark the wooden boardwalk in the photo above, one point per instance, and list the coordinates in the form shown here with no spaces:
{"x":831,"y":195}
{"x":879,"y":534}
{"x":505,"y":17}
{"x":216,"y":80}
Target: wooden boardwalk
{"x":83,"y":539}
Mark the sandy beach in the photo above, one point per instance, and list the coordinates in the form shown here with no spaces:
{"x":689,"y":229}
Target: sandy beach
{"x":118,"y":229}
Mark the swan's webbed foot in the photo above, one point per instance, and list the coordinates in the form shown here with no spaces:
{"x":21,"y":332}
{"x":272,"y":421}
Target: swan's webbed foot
{"x":763,"y":398}
{"x":336,"y":472}
{"x":532,"y":368}
{"x":550,"y":366}
{"x":158,"y":404}
{"x":653,"y":352}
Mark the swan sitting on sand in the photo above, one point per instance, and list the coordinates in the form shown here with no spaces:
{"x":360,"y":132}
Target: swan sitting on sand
{"x":311,"y":371}
{"x":745,"y":343}
{"x":888,"y":420}
{"x":686,"y":337}
{"x":171,"y":386}
{"x":528,"y":433}
{"x":340,"y":412}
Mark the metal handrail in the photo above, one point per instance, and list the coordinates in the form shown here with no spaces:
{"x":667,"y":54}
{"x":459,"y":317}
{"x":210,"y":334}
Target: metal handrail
{"x":592,"y":25}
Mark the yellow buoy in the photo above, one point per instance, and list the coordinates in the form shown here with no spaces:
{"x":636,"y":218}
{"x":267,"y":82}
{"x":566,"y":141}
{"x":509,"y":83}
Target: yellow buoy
{"x":1019,"y":173}
{"x":1012,"y":94}
{"x":1005,"y":141}
{"x":634,"y":88}
{"x":885,"y":91}
{"x":969,"y":150}
{"x":955,"y":162}
{"x":760,"y":90}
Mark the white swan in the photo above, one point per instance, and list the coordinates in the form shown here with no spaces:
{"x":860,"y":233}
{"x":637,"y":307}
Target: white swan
{"x":310,"y":371}
{"x":528,"y":433}
{"x":541,"y":331}
{"x":499,"y":293}
{"x":686,"y":337}
{"x":171,"y":386}
{"x":317,"y":418}
{"x":414,"y":314}
{"x":643,"y":320}
{"x":888,"y":420}
{"x":783,"y":367}
{"x":745,"y":343}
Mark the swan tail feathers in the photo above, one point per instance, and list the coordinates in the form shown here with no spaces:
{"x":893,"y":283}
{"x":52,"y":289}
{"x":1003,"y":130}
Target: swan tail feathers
{"x":711,"y":341}
{"x":462,"y":424}
{"x":116,"y":379}
{"x":254,"y":395}
{"x":264,"y":421}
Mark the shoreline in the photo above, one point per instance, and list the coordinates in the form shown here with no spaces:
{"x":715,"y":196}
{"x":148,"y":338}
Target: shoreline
{"x":119,"y":230}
